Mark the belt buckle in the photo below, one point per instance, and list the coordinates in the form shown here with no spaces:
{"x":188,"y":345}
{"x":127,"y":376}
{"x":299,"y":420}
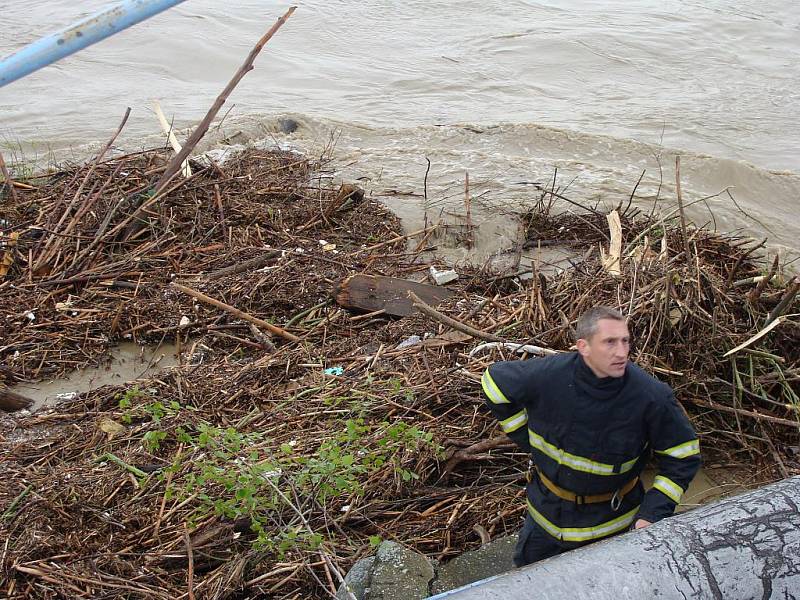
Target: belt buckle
{"x":616,"y":501}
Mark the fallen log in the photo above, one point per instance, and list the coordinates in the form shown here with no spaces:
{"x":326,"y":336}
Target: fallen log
{"x":390,"y":294}
{"x":743,"y":547}
{"x":11,"y":401}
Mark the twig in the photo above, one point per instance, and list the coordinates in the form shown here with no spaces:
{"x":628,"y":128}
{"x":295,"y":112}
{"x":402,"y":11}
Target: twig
{"x":745,"y":413}
{"x":247,"y":265}
{"x":786,"y":299}
{"x":305,"y":522}
{"x":108,"y":457}
{"x":168,"y":130}
{"x":450,"y":322}
{"x":7,"y":179}
{"x":190,"y":570}
{"x":755,"y":294}
{"x":468,"y":209}
{"x":202,"y":128}
{"x":684,"y":235}
{"x":235,"y":312}
{"x":520,"y":348}
{"x":397,"y":239}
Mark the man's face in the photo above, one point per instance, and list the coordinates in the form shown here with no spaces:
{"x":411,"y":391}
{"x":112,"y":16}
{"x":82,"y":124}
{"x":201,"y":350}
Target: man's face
{"x":606,"y":352}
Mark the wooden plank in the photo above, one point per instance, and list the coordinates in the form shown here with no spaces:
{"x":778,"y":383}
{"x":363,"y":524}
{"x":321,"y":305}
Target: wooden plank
{"x":390,"y":294}
{"x":11,"y":401}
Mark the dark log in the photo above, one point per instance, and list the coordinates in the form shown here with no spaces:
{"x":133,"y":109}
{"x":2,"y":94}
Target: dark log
{"x":743,"y":547}
{"x":11,"y":401}
{"x":371,"y":293}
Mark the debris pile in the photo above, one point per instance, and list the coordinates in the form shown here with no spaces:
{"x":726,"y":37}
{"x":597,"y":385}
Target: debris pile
{"x":298,"y":433}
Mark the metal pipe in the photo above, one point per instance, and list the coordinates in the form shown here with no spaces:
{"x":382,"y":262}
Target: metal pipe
{"x":84,"y":33}
{"x":743,"y":547}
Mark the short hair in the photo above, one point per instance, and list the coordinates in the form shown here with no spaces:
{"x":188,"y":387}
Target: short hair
{"x":587,"y":322}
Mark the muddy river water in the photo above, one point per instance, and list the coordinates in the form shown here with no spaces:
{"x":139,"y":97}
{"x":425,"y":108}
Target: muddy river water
{"x":509,"y":91}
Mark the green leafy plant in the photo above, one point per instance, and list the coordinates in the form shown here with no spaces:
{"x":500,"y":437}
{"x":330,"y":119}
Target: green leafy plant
{"x":235,"y":474}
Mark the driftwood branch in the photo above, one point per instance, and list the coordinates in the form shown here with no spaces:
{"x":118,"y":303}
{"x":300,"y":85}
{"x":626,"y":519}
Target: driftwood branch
{"x":236,"y":312}
{"x":477,"y":451}
{"x":744,"y":413}
{"x":177,"y":160}
{"x":7,"y":179}
{"x":432,"y":312}
{"x":684,"y":233}
{"x":174,"y":165}
{"x":788,"y":297}
{"x":248,"y":265}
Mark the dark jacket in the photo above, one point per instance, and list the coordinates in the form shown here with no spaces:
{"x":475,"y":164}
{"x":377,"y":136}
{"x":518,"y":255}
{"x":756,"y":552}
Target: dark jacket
{"x":592,"y":436}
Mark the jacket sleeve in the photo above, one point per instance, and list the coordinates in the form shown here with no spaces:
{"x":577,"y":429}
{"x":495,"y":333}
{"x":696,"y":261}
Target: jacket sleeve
{"x":677,"y":452}
{"x":507,"y":394}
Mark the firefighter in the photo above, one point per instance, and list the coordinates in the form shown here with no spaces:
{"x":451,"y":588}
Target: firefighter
{"x":590,"y":420}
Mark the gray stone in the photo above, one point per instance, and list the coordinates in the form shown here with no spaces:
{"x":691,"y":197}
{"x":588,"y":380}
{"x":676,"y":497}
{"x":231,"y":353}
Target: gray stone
{"x":399,"y":574}
{"x":287,"y":125}
{"x":394,"y":573}
{"x":491,"y":559}
{"x":357,"y":580}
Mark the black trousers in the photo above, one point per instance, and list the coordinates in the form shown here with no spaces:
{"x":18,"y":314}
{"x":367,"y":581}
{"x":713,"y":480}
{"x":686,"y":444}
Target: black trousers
{"x":535,"y":544}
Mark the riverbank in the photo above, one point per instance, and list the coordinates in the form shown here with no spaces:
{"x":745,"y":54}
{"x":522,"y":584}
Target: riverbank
{"x":296,"y":433}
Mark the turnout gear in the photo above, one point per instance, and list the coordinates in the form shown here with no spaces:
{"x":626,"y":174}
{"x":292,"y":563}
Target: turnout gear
{"x":589,"y":439}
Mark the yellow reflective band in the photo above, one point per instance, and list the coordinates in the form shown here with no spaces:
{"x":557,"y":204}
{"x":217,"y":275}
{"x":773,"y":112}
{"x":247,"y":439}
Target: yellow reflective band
{"x":669,"y":488}
{"x":491,"y":390}
{"x":583,"y":534}
{"x":515,"y":422}
{"x":577,"y":463}
{"x":684,"y":450}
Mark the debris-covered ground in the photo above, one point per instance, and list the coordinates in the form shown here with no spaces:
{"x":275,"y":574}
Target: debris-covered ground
{"x":296,"y":433}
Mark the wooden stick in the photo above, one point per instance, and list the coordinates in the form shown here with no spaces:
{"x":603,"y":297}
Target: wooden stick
{"x":786,"y":300}
{"x":190,"y":554}
{"x":247,"y":265}
{"x":236,"y":312}
{"x":739,"y":261}
{"x":202,"y":128}
{"x":397,"y":239}
{"x":680,"y":206}
{"x":772,"y":325}
{"x":468,"y":209}
{"x":7,"y":179}
{"x":612,"y":260}
{"x":432,"y":312}
{"x":755,"y":293}
{"x":745,"y":413}
{"x":167,"y":128}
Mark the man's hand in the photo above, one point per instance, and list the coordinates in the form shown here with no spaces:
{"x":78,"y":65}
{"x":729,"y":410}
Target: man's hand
{"x":641,"y":524}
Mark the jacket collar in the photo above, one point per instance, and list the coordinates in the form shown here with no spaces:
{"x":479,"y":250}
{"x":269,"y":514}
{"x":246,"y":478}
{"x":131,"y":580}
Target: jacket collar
{"x":597,"y":388}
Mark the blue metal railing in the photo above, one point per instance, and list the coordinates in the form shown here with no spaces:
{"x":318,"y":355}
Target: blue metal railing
{"x":84,"y":33}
